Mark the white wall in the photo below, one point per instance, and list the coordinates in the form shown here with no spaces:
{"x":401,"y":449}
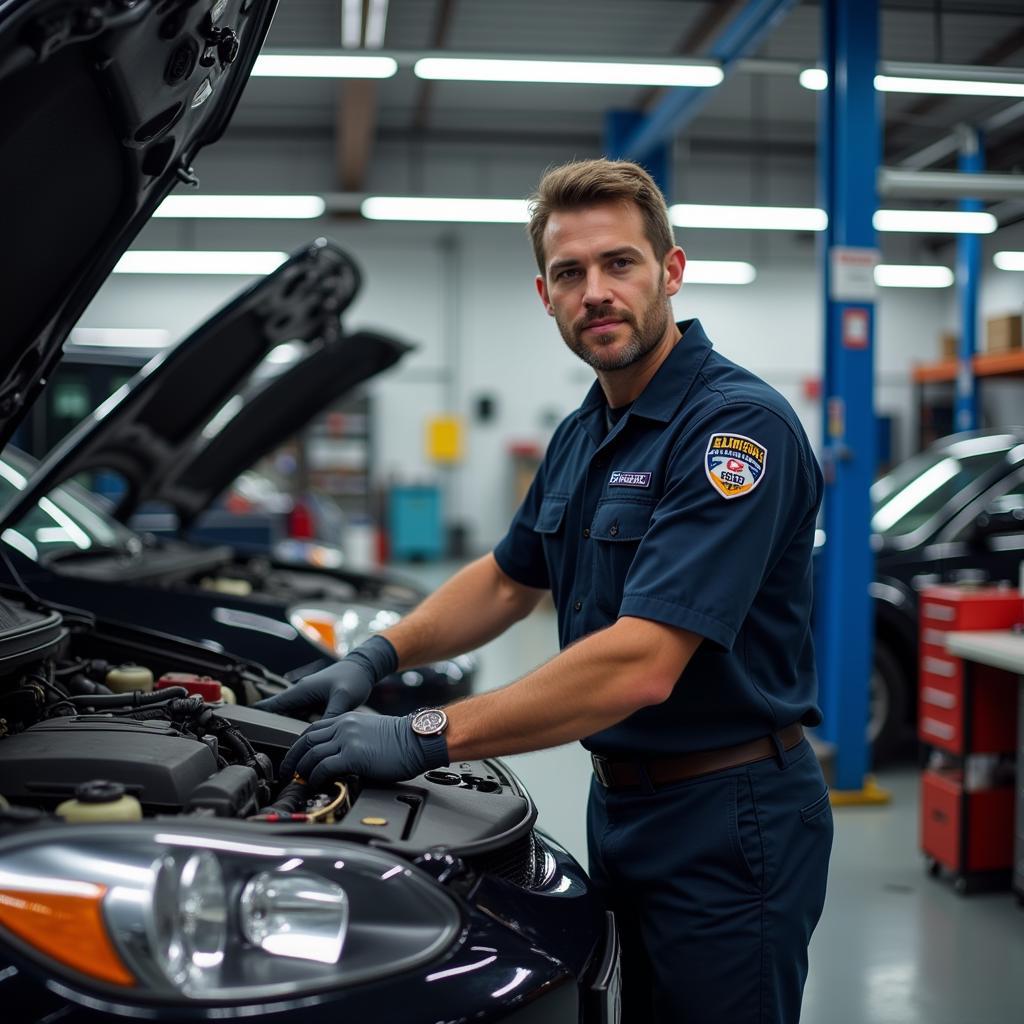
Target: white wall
{"x":466,"y":297}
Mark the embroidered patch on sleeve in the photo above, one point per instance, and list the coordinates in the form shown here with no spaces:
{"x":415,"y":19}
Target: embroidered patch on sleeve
{"x":734,"y":464}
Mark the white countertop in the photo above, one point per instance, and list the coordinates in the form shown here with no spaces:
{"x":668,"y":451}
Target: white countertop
{"x":999,"y":648}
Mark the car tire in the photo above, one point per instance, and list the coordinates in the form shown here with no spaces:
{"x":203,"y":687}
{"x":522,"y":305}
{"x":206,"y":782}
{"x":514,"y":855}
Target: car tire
{"x":887,"y":704}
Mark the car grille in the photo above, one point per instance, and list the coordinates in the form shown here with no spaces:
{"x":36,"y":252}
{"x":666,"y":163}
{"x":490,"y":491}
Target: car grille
{"x":522,"y":862}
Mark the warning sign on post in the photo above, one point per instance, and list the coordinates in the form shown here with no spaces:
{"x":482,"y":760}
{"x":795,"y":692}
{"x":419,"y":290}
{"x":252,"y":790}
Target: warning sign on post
{"x":852,"y":274}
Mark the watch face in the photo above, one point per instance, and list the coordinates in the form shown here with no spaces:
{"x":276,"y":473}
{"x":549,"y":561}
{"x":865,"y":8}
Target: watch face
{"x":429,"y":722}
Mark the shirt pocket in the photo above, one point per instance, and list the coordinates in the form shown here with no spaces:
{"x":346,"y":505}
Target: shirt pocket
{"x":616,"y":531}
{"x":551,"y":515}
{"x":550,"y":527}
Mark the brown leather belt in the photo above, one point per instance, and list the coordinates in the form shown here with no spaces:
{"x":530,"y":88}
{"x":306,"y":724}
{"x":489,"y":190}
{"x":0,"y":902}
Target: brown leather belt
{"x":661,"y":771}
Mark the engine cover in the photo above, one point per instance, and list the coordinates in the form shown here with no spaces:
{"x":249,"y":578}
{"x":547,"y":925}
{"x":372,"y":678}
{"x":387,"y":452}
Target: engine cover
{"x":153,"y":761}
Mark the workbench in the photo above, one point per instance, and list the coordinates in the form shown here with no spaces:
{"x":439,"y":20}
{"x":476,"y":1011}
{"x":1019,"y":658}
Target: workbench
{"x":1000,"y":649}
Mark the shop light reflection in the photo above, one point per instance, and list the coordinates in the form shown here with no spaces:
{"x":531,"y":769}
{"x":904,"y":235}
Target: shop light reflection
{"x":520,"y":976}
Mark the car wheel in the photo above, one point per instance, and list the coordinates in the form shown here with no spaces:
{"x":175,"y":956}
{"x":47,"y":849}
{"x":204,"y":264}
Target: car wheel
{"x":887,"y":703}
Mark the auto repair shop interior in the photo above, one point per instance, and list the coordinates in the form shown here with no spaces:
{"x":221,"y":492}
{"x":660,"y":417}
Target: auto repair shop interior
{"x":275,"y":369}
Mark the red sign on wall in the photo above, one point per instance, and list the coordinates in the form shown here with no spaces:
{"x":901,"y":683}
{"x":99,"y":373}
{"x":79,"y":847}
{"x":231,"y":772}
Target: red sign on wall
{"x":856,"y":328}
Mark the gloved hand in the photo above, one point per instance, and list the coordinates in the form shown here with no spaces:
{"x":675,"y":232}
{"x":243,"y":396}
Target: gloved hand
{"x":381,"y":747}
{"x":338,"y":688}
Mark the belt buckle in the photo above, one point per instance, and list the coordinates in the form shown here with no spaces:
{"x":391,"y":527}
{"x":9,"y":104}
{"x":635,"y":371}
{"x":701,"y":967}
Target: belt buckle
{"x":600,"y":766}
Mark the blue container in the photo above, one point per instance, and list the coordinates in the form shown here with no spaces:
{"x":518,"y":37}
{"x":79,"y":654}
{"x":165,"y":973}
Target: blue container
{"x":415,"y":524}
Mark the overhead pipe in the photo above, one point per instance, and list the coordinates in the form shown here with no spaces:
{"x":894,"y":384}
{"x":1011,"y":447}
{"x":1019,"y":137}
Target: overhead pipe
{"x":894,"y":181}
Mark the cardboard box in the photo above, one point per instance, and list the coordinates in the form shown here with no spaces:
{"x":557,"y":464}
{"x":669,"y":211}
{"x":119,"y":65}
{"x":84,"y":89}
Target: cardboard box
{"x":1003,"y":332}
{"x":949,"y":343}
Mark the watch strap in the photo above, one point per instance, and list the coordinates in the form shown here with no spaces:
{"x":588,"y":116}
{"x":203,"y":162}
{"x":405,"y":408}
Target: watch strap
{"x":435,"y":750}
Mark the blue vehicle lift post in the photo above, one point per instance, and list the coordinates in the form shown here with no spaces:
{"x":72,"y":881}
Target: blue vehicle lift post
{"x":968,"y":278}
{"x":849,"y":151}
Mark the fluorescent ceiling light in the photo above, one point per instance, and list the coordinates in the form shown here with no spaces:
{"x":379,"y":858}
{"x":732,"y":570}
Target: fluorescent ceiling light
{"x":154,"y":261}
{"x":376,"y":22}
{"x":121,"y":337}
{"x":483,"y":211}
{"x":761,"y":218}
{"x":322,"y":65}
{"x":254,"y":207}
{"x":815,"y":79}
{"x":956,"y":222}
{"x":1007,"y":260}
{"x":947,"y":86}
{"x":583,"y":72}
{"x":352,"y":24}
{"x":893,"y":275}
{"x":718,"y":272}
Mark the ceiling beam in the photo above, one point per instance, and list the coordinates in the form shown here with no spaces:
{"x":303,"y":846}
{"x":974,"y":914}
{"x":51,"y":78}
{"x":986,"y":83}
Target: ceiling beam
{"x":991,"y":56}
{"x":355,"y":121}
{"x":694,"y":39}
{"x":740,"y":36}
{"x":355,"y":132}
{"x":442,"y":25}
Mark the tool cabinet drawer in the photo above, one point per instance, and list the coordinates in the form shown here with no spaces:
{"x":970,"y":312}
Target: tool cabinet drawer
{"x":966,"y":831}
{"x":951,"y":608}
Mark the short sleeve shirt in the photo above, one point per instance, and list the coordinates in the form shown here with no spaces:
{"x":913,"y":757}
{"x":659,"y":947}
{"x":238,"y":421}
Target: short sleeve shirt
{"x":696,"y":510}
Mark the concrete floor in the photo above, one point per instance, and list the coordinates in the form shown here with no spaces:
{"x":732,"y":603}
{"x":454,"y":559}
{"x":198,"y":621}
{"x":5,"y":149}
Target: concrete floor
{"x":894,"y":946}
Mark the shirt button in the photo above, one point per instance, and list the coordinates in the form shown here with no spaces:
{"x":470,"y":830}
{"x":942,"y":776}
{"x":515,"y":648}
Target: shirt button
{"x":577,"y":606}
{"x":613,"y":531}
{"x":586,"y":532}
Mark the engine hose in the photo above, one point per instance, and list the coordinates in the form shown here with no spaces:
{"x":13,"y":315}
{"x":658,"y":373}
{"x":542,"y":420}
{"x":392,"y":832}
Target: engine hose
{"x":241,"y":746}
{"x":134,"y":699}
{"x":291,"y":800}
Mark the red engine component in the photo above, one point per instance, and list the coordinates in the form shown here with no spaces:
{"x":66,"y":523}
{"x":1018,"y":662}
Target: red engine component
{"x":300,"y":522}
{"x":201,"y":686}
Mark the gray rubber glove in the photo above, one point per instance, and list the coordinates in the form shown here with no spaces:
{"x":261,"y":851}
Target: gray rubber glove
{"x":380,"y":747}
{"x":339,"y":688}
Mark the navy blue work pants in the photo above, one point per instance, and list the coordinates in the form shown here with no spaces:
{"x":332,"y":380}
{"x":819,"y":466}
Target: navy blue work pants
{"x":716,"y":883}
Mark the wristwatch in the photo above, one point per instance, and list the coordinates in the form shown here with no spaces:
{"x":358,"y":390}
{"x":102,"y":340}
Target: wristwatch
{"x":429,"y":725}
{"x":429,"y":722}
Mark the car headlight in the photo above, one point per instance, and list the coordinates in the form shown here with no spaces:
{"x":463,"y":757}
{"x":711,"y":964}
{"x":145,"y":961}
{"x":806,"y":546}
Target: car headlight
{"x":339,"y":630}
{"x":146,"y":913}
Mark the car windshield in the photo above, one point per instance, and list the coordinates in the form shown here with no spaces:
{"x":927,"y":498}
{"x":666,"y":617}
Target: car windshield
{"x":916,"y":490}
{"x":67,"y":520}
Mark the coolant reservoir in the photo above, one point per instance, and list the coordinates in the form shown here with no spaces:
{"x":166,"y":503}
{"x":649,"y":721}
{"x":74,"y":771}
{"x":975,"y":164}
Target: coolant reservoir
{"x":126,"y":678}
{"x":99,"y":800}
{"x":227,"y":694}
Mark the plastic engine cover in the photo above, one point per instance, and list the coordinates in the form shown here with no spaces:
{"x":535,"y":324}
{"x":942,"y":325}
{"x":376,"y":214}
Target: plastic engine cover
{"x":150,"y":759}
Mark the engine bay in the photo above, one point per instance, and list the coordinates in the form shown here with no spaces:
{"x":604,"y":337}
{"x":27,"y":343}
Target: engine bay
{"x":107,"y":723}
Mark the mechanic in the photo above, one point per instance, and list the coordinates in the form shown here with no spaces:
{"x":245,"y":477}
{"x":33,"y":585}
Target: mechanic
{"x":673,"y":520}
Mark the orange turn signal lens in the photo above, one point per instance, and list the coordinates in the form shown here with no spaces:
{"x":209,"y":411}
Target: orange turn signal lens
{"x":321,"y":630}
{"x":66,"y":928}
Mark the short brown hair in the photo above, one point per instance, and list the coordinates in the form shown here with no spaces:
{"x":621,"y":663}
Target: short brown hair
{"x":589,"y":182}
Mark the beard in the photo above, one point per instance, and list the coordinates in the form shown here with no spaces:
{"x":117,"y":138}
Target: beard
{"x":645,"y":334}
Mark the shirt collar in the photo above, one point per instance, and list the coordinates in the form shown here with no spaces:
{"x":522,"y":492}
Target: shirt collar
{"x":665,"y":391}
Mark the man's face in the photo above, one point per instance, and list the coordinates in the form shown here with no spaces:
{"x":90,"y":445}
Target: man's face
{"x":604,"y":286}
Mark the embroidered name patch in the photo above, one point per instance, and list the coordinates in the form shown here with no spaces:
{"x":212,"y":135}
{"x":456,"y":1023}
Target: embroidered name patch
{"x":734,"y":464}
{"x":620,"y":479}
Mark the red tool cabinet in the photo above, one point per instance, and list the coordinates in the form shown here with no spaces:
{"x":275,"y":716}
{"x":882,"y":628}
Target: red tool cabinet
{"x":965,"y":710}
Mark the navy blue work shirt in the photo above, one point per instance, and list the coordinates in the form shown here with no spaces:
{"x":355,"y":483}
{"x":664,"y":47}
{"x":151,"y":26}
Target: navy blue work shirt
{"x":697,"y":509}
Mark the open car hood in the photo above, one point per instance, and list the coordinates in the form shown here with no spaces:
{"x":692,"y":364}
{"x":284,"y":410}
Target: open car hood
{"x":197,"y":415}
{"x":103,"y":106}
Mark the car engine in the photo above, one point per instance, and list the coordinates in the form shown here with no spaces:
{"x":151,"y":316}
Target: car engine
{"x":101,"y":722}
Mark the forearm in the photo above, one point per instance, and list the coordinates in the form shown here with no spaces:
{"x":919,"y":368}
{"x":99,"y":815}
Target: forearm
{"x":477,"y":604}
{"x":588,"y":687}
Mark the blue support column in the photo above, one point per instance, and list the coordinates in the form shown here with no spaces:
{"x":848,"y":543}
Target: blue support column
{"x":619,"y":125}
{"x":968,"y":280}
{"x":850,"y":134}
